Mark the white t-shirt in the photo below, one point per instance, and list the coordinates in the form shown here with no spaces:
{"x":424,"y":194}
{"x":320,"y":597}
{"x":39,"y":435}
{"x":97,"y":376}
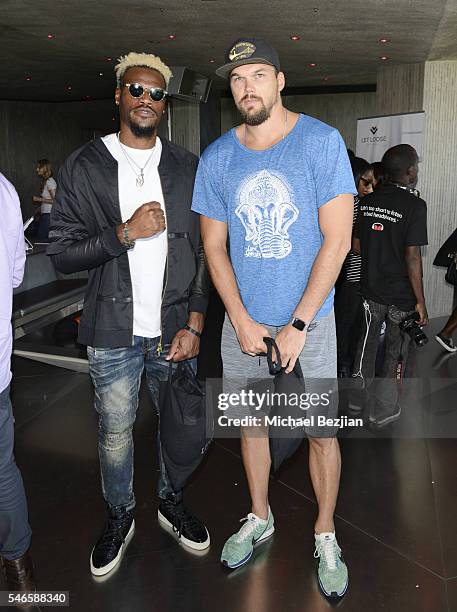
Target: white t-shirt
{"x":46,"y":193}
{"x":148,"y":257}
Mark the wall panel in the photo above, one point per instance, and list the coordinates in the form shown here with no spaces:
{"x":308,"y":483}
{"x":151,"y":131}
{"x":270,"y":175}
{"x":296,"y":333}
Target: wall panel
{"x":185,"y":124}
{"x":400,"y":89}
{"x":34,"y":130}
{"x":439,"y":169}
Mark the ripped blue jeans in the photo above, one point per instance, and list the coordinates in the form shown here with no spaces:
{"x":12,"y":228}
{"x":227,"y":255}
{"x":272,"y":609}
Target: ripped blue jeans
{"x":116,"y":376}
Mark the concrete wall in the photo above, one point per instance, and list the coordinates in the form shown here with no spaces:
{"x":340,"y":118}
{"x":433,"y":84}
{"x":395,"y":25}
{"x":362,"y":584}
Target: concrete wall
{"x":341,"y":110}
{"x":439,"y":184}
{"x":431,"y":87}
{"x":185,"y":124}
{"x":400,"y":89}
{"x":34,"y":130}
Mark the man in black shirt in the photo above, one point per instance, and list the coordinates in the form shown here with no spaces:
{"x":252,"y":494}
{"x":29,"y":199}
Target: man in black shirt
{"x":391,"y":227}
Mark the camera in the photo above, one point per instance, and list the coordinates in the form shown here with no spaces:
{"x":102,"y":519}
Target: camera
{"x":410,"y":326}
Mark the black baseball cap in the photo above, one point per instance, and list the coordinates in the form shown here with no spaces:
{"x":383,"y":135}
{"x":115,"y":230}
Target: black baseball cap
{"x":248,"y":51}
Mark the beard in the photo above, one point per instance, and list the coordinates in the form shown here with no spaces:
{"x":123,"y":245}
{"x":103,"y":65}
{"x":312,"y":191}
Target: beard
{"x":259,"y":116}
{"x":142,"y":131}
{"x":139,"y":129}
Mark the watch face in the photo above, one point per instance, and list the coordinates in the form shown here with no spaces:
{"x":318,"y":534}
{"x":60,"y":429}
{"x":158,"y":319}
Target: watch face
{"x":298,"y":324}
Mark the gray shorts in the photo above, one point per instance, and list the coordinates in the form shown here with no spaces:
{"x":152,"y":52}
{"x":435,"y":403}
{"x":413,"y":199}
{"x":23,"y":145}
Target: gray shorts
{"x":317,"y":360}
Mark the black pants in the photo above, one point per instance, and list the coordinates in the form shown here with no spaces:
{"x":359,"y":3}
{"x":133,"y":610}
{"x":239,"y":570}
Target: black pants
{"x":399,"y":349}
{"x":15,"y":533}
{"x":349,"y":321}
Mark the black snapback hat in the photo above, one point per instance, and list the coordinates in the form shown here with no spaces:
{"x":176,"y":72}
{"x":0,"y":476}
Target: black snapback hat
{"x":248,"y":51}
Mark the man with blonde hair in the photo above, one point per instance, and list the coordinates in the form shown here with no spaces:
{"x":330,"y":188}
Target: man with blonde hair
{"x":122,"y":212}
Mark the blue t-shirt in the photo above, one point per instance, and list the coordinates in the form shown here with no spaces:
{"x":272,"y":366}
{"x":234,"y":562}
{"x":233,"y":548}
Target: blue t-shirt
{"x":270,"y":201}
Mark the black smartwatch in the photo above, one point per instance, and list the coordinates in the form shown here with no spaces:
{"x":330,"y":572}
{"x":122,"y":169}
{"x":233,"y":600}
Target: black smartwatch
{"x":299,"y":324}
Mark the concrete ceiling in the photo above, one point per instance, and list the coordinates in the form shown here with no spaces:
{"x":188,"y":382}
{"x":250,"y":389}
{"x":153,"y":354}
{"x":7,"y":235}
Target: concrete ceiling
{"x":340,"y":36}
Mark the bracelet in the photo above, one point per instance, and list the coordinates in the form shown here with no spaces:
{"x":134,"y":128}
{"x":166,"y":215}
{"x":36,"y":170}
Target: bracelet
{"x":128,"y":243}
{"x":192,"y":330}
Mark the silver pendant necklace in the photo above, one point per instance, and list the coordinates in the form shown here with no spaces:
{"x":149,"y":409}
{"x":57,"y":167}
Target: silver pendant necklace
{"x":132,"y":163}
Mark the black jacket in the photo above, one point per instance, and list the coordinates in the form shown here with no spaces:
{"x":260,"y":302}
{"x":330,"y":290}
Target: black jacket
{"x":83,"y":237}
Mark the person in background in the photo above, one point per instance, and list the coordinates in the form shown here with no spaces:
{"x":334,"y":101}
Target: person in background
{"x":46,"y":199}
{"x":15,"y":533}
{"x":379,"y":174}
{"x":444,"y":337}
{"x":391,"y":227}
{"x":348,"y":302}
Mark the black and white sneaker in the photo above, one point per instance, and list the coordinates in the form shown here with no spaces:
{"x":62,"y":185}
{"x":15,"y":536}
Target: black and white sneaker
{"x":446,"y":343}
{"x":108,"y":551}
{"x":187,"y":527}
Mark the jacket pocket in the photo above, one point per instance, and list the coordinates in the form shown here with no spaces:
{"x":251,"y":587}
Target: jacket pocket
{"x":113,"y":313}
{"x":182,"y":268}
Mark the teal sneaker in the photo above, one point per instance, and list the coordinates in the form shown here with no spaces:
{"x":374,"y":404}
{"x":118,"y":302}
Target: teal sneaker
{"x":239,"y":547}
{"x":332,"y":572}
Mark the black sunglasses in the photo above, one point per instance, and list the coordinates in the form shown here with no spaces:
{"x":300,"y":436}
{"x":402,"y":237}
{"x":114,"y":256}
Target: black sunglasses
{"x":136,"y":90}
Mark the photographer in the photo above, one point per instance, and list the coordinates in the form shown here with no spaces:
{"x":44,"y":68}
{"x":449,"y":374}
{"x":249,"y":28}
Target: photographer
{"x":391,"y":227}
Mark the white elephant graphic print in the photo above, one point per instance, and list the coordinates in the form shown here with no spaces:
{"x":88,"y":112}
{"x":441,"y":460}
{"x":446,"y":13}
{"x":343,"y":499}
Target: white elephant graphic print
{"x":266,"y":210}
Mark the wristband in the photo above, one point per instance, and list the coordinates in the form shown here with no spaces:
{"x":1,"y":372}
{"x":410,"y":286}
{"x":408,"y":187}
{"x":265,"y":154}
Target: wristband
{"x":128,"y":243}
{"x":192,"y":330}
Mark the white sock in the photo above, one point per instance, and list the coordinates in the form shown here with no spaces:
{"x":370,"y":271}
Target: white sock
{"x":325,"y":535}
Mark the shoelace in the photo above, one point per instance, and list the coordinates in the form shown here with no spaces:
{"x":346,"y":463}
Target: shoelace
{"x":247,"y":529}
{"x":183,"y":518}
{"x":112,"y":537}
{"x":329,"y":550}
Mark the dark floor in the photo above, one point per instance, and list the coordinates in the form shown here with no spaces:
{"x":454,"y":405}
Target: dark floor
{"x":396,"y":513}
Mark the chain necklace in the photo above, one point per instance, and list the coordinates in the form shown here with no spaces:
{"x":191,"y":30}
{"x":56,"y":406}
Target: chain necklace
{"x":415,"y":192}
{"x":283,"y":132}
{"x":132,"y":163}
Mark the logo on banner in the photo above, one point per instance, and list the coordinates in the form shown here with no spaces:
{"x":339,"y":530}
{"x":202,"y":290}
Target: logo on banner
{"x":376,"y":134}
{"x":373,"y":139}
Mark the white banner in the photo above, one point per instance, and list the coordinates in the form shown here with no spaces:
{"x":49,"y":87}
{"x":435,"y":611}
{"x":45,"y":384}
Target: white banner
{"x":377,"y":134}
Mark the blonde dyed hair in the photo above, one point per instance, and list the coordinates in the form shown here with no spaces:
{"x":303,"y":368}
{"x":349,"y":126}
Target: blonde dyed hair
{"x":141,"y":60}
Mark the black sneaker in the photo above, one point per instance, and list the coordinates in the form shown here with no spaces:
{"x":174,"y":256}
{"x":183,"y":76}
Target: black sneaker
{"x":108,"y":551}
{"x":382,"y":416}
{"x":188,"y":528}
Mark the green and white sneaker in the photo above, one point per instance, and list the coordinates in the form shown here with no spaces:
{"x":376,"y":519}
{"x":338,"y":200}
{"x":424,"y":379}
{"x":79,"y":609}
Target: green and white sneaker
{"x":332,"y":572}
{"x":239,"y":547}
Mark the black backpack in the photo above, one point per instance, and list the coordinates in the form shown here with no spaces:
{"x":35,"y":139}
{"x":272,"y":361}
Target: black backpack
{"x":186,"y":427}
{"x":284,"y":440}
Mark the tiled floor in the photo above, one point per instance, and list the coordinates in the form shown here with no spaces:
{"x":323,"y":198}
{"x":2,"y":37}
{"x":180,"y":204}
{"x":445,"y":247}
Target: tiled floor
{"x":395,"y":521}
